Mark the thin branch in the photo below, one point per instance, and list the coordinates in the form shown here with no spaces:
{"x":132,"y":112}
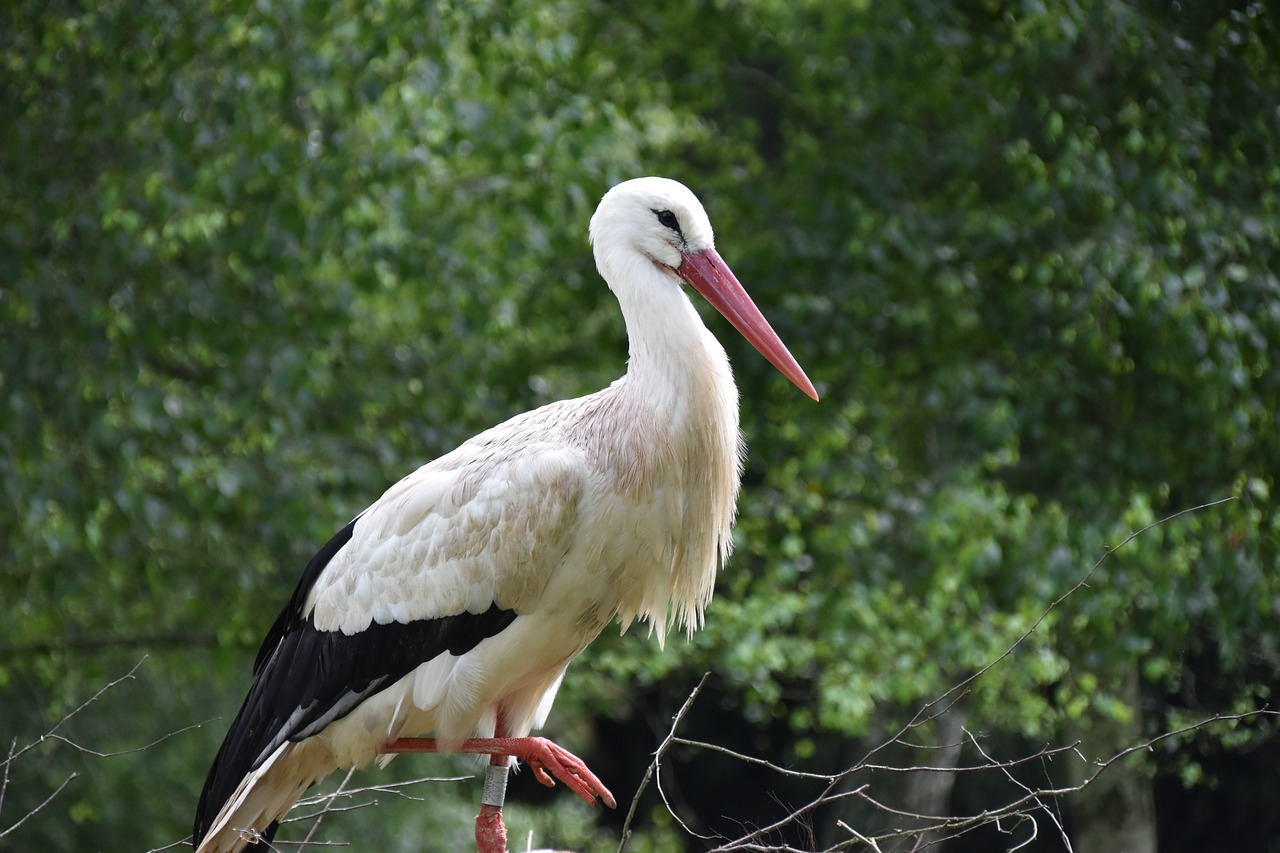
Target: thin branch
{"x":827,"y":796}
{"x":750,"y":759}
{"x":87,"y":751}
{"x":858,"y":836}
{"x":38,"y":808}
{"x":329,"y":801}
{"x":657,"y":760}
{"x":50,"y":735}
{"x":315,"y":827}
{"x":182,"y":842}
{"x":1066,"y":841}
{"x":4,"y":785}
{"x":385,"y":788}
{"x":888,"y":768}
{"x":1017,"y":807}
{"x":53,"y":734}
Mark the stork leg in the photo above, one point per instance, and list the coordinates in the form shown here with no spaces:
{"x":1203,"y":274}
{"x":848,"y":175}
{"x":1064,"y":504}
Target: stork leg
{"x":491,"y":832}
{"x":545,"y":758}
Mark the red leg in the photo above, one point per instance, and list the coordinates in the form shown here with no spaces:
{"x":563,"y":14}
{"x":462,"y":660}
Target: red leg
{"x":491,"y":832}
{"x":544,"y":757}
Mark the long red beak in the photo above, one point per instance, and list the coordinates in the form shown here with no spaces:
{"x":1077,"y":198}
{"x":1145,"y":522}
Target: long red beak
{"x":708,"y":274}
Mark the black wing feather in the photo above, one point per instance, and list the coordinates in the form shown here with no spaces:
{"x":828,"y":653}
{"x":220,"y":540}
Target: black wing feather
{"x":305,"y":678}
{"x":291,"y":616}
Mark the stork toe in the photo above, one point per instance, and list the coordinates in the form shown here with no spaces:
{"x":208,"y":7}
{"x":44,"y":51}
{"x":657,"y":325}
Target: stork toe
{"x":547,"y":759}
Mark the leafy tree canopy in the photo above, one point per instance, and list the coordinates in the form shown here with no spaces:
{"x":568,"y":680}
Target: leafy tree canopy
{"x":257,"y":261}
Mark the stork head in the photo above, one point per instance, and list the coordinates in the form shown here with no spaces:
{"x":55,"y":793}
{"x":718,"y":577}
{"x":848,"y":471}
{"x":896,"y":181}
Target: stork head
{"x":659,"y":221}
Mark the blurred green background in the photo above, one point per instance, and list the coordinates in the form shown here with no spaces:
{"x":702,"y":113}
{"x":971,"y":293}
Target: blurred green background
{"x":259,"y":260}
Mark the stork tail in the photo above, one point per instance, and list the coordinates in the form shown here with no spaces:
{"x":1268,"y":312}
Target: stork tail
{"x":248,"y":820}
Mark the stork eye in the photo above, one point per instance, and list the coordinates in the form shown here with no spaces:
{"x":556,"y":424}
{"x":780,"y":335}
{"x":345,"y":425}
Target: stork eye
{"x":668,"y":220}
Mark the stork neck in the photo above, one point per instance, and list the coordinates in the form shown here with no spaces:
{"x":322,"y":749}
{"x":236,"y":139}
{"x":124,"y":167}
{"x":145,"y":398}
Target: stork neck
{"x":673,"y":357}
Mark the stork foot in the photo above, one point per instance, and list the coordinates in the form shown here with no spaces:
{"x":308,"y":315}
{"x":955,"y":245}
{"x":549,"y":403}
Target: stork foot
{"x":546,"y":759}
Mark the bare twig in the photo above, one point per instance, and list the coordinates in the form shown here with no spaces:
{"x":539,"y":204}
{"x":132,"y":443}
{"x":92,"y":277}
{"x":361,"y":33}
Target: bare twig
{"x":1066,"y":841}
{"x":750,"y":759}
{"x":657,"y":761}
{"x":396,"y":788}
{"x":1033,"y":798}
{"x":96,"y":754}
{"x":328,"y":805}
{"x":52,"y":734}
{"x":40,"y":807}
{"x":4,"y":783}
{"x":887,"y":768}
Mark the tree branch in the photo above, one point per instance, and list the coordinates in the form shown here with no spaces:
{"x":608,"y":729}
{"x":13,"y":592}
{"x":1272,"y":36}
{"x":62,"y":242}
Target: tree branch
{"x":657,"y":761}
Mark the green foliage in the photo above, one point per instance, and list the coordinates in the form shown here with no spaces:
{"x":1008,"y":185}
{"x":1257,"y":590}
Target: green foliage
{"x":258,"y":261}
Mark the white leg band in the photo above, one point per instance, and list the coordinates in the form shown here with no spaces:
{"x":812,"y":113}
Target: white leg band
{"x":495,"y":785}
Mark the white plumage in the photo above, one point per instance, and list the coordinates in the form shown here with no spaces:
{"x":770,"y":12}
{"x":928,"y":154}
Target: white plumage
{"x":519,"y":546}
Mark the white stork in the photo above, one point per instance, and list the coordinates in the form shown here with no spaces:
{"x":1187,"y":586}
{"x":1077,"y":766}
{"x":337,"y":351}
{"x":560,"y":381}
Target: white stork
{"x":454,"y":603}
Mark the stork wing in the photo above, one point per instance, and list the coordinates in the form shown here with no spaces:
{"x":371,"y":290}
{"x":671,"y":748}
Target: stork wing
{"x":444,"y":559}
{"x":460,"y":535}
